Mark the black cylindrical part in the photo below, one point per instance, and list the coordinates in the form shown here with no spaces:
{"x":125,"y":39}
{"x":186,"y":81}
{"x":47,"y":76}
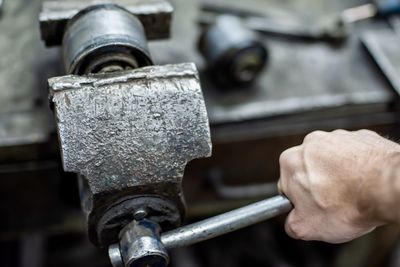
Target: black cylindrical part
{"x":104,"y":38}
{"x":234,"y":54}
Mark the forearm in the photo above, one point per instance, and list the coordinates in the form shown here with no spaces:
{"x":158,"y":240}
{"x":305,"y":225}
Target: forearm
{"x":381,"y":197}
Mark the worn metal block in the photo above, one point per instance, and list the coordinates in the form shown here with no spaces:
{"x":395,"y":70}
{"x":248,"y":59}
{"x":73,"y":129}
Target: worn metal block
{"x":131,"y":133}
{"x":155,"y":15}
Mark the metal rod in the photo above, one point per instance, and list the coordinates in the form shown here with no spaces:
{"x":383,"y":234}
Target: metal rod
{"x":226,"y":223}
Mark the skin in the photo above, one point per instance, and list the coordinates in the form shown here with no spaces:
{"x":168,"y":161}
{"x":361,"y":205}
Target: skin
{"x":342,"y":185}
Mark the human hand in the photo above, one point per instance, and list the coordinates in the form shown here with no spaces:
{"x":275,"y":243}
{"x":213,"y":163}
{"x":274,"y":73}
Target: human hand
{"x":339,"y":184}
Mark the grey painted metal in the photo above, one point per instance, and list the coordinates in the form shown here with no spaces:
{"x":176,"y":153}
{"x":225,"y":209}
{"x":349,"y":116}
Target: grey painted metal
{"x":226,"y":223}
{"x":382,"y":44}
{"x":166,"y":212}
{"x":130,"y":133}
{"x":155,"y":16}
{"x":395,"y":23}
{"x":102,"y":34}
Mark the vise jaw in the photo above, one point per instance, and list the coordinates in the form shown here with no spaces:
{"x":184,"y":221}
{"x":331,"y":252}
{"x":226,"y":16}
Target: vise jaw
{"x":129,"y":135}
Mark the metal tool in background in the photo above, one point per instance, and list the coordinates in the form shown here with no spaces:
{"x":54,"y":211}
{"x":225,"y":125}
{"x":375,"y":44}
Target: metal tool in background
{"x":209,"y":228}
{"x":127,"y":128}
{"x":234,"y":54}
{"x":384,"y":8}
{"x":329,"y":28}
{"x":333,"y":27}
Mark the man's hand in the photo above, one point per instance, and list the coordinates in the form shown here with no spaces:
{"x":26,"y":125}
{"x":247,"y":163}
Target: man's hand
{"x":342,"y":185}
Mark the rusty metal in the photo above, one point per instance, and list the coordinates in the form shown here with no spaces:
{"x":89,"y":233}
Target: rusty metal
{"x":155,"y":15}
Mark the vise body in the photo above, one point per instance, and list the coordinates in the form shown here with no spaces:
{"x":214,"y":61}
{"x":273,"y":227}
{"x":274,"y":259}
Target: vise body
{"x":126,"y":127}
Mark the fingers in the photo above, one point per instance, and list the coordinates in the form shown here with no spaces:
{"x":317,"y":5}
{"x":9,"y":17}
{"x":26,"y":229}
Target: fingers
{"x":312,"y":178}
{"x":295,"y":227}
{"x":290,"y":163}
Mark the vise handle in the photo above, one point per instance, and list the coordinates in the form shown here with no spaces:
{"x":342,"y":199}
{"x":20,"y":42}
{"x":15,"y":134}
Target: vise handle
{"x":226,"y":222}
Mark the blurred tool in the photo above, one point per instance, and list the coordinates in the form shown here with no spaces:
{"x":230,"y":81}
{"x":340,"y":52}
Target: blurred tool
{"x":234,"y":54}
{"x":331,"y":28}
{"x":1,"y":5}
{"x":384,"y":9}
{"x":325,"y":29}
{"x":383,"y":46}
{"x":203,"y":230}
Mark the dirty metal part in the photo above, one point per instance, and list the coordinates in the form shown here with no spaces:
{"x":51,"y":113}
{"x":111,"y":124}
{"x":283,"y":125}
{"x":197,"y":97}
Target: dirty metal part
{"x":207,"y":229}
{"x":234,"y":54}
{"x":155,"y":15}
{"x":1,"y":6}
{"x":130,"y":134}
{"x":140,"y":245}
{"x":102,"y":36}
{"x":383,"y":47}
{"x":160,"y":210}
{"x":115,"y":256}
{"x":226,"y":223}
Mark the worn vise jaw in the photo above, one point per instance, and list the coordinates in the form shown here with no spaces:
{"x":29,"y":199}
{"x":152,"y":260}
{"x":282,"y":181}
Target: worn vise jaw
{"x":129,"y":135}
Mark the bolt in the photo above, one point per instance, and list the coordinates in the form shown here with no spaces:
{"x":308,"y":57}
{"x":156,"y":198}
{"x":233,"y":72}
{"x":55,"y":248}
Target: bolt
{"x":140,"y":214}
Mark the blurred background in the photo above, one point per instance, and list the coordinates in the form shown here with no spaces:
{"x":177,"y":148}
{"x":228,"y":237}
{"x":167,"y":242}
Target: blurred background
{"x":271,"y":72}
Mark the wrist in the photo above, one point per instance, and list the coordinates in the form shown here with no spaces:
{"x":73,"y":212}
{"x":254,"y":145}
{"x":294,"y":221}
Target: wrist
{"x":380,"y":195}
{"x":389,"y":212}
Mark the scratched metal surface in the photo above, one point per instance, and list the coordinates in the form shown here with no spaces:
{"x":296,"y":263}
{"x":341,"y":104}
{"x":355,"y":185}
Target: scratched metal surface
{"x":131,"y":129}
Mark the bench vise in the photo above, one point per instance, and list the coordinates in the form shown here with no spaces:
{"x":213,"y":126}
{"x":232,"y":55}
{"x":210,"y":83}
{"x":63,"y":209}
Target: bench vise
{"x":126,"y":127}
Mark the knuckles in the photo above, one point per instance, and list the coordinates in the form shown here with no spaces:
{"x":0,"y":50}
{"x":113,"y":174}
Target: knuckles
{"x":296,"y":228}
{"x":291,"y":159}
{"x":315,"y":136}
